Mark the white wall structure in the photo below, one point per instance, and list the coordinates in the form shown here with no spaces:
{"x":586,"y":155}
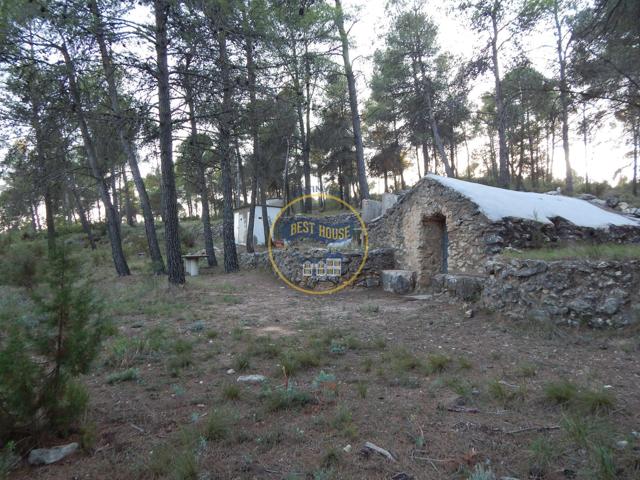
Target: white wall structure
{"x":241,"y":222}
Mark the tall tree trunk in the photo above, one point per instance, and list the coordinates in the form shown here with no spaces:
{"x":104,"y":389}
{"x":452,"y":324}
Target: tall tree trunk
{"x":128,"y":206}
{"x":425,"y":156}
{"x":34,"y":222}
{"x":43,"y":169}
{"x":113,"y":225}
{"x":501,"y":121}
{"x":306,"y":148}
{"x":169,"y":194}
{"x":126,"y":144}
{"x":265,"y":212}
{"x":353,"y":102}
{"x":285,"y":179}
{"x":198,"y":161}
{"x":636,"y":141}
{"x":305,"y":134}
{"x":437,"y":139}
{"x":255,"y":137}
{"x":564,"y":99}
{"x":50,"y":221}
{"x":321,"y":188}
{"x":114,"y":193}
{"x":252,"y":210}
{"x":230,"y":254}
{"x":585,"y":142}
{"x":553,"y":152}
{"x":241,"y":180}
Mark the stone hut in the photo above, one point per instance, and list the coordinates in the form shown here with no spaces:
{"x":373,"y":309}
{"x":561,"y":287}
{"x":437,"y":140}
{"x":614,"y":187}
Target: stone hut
{"x":449,"y":226}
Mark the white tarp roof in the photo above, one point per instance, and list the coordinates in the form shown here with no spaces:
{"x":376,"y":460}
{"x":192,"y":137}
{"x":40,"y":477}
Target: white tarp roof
{"x":497,"y":203}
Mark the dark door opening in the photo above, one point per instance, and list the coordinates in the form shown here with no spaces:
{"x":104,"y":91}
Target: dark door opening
{"x":434,"y":248}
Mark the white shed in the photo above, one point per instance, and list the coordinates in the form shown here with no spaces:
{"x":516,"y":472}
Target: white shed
{"x":241,"y":222}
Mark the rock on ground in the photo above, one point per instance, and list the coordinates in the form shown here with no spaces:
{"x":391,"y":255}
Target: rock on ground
{"x":46,"y":456}
{"x":251,"y":378}
{"x":398,"y":281}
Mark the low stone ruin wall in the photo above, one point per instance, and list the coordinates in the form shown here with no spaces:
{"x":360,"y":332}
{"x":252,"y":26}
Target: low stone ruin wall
{"x":591,"y":292}
{"x":291,"y":260}
{"x":525,"y":234}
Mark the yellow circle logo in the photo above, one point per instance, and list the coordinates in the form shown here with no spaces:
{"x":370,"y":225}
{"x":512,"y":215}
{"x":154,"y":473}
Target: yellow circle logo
{"x":343,"y":284}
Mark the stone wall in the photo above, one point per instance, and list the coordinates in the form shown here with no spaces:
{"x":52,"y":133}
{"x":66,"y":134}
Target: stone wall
{"x":525,"y":234}
{"x":290,"y":261}
{"x":592,"y":292}
{"x":403,"y":228}
{"x":472,"y":238}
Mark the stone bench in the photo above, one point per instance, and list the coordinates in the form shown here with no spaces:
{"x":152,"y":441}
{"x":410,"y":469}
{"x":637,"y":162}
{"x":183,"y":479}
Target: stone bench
{"x":191,"y":264}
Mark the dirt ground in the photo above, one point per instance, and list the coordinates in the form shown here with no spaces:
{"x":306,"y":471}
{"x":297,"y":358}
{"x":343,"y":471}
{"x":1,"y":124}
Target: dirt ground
{"x":441,"y":392}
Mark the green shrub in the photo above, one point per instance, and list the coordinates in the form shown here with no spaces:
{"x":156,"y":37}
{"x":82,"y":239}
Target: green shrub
{"x":362,"y":389}
{"x":541,"y":453}
{"x":39,"y":359}
{"x":265,"y":347}
{"x":504,"y":393}
{"x":124,"y":352}
{"x":595,"y":401}
{"x":218,"y":425}
{"x":561,"y":392}
{"x":177,"y":459}
{"x":527,"y":370}
{"x":584,"y":400}
{"x":285,"y":398}
{"x":343,"y":417}
{"x":128,"y":375}
{"x":88,"y":436}
{"x":242,"y":362}
{"x":295,"y":360}
{"x":231,"y":391}
{"x":21,"y":264}
{"x":437,"y":363}
{"x":8,"y":460}
{"x":182,"y":356}
{"x":604,"y":463}
{"x":403,"y":360}
{"x":480,"y":473}
{"x":187,"y":238}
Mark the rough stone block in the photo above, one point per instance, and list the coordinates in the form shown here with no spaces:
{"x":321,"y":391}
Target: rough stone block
{"x":388,"y":201}
{"x":46,"y":456}
{"x":398,"y":281}
{"x":371,"y":209}
{"x":464,"y":287}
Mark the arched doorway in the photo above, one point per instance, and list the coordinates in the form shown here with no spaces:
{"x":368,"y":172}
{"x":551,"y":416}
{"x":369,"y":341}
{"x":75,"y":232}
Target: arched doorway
{"x":434,"y":248}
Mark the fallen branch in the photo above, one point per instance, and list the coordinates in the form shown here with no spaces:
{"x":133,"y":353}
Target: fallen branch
{"x":463,"y":409}
{"x":531,"y":429}
{"x":368,"y":446}
{"x":137,"y":428}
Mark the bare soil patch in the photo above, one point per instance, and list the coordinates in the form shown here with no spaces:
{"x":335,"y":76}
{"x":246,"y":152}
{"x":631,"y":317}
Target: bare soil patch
{"x":441,"y":392}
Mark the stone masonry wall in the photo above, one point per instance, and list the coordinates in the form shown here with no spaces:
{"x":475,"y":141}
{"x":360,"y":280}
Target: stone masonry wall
{"x":523,"y":234}
{"x":403,"y":228}
{"x":472,"y":238}
{"x":591,"y":292}
{"x":290,"y":260}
